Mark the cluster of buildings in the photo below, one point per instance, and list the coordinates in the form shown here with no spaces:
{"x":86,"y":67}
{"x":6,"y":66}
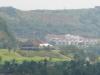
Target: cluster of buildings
{"x":53,"y":40}
{"x":69,"y":39}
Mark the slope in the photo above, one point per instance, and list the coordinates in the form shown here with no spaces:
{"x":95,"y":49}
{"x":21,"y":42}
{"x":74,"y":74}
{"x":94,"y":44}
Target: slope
{"x":85,"y":22}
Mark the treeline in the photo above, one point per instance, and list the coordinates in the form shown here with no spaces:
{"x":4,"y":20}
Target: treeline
{"x":50,"y":68}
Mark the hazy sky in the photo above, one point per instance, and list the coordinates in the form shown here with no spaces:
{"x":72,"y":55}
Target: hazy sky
{"x":50,"y":4}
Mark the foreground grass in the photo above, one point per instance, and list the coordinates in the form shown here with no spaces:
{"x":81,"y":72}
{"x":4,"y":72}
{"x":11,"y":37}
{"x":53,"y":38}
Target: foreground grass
{"x":21,"y":55}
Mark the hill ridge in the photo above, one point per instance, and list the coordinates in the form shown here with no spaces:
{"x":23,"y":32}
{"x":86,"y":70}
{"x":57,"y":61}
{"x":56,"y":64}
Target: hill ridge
{"x":84,"y":22}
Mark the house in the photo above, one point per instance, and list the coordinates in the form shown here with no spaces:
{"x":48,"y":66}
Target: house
{"x":33,"y":44}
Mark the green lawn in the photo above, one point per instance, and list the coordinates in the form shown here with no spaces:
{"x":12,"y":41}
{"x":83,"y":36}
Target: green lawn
{"x":21,"y":55}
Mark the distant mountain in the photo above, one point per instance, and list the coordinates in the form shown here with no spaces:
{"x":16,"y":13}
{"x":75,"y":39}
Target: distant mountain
{"x":85,"y":22}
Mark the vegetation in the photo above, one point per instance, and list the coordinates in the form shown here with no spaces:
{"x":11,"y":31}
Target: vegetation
{"x":68,"y":60}
{"x":50,"y":68}
{"x":21,"y":55}
{"x":81,"y":53}
{"x":22,"y":62}
{"x":7,"y":40}
{"x":84,"y":22}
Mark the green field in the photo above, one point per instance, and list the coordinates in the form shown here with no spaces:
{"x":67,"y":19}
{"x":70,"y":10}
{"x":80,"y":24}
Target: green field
{"x":21,"y":55}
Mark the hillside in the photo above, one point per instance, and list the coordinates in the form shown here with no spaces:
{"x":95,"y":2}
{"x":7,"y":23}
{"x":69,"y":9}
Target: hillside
{"x":85,"y":22}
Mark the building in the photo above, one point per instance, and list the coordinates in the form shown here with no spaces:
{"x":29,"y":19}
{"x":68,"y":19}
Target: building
{"x":33,"y":44}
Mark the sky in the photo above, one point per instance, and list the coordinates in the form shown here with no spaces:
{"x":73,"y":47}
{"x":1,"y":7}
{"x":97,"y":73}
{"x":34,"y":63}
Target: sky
{"x":49,"y":4}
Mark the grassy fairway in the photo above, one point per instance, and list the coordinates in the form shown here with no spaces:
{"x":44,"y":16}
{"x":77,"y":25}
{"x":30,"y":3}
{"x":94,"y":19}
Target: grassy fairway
{"x":21,"y":55}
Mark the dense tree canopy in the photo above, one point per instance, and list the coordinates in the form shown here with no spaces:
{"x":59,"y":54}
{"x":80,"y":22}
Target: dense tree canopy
{"x":50,"y":68}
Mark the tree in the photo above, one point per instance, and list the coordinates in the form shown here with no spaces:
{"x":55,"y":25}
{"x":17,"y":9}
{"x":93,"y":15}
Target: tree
{"x":8,"y":38}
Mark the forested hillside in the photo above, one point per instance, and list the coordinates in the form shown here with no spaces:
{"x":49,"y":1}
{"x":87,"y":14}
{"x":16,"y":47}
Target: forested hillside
{"x":84,"y":22}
